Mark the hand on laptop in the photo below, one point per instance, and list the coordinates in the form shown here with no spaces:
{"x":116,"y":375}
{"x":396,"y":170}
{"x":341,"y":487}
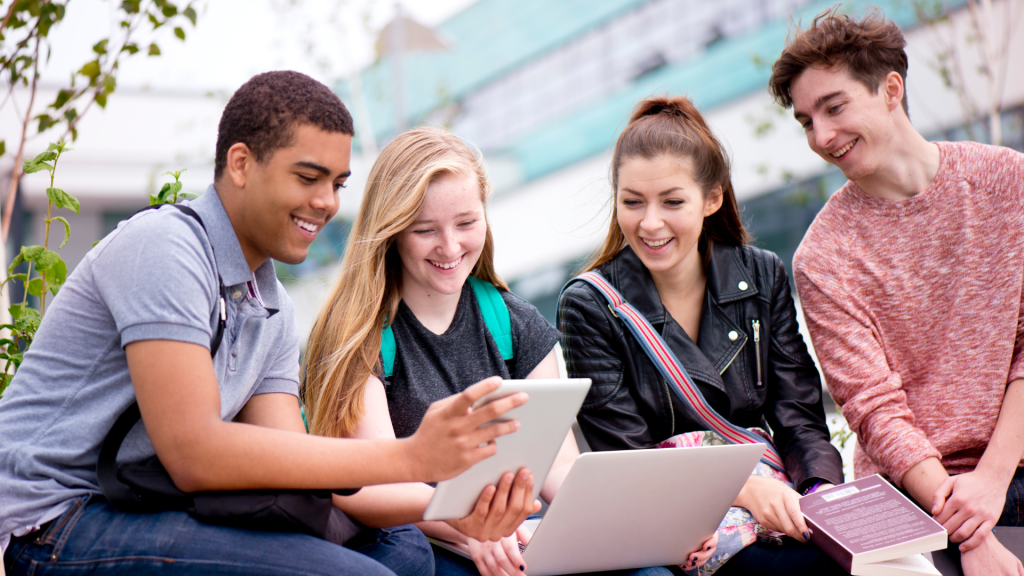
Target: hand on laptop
{"x":499,"y":558}
{"x":969,"y":505}
{"x":700,"y":556}
{"x":499,"y":511}
{"x":450,"y":438}
{"x":990,"y":558}
{"x":774,"y":505}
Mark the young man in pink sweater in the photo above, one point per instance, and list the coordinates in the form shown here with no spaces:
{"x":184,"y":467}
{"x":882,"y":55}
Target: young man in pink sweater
{"x":911,"y":282}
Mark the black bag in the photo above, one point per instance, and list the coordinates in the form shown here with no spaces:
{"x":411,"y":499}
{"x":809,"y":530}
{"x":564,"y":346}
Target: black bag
{"x":147,"y":487}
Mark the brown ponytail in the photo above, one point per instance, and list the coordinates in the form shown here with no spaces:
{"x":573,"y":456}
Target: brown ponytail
{"x":672,"y":125}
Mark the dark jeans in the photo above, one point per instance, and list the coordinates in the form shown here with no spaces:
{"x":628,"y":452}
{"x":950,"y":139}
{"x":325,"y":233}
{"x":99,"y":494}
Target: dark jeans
{"x":449,"y":564}
{"x":791,"y":559}
{"x":95,"y":538}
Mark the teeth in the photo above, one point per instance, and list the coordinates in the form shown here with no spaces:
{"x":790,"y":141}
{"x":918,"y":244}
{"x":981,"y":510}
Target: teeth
{"x":845,"y":149}
{"x":447,"y":266}
{"x":309,"y":226}
{"x":656,"y":243}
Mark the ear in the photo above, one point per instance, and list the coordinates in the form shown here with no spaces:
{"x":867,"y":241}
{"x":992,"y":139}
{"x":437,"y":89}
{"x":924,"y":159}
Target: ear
{"x":237,"y":166}
{"x":892,"y":86}
{"x":713,"y":201}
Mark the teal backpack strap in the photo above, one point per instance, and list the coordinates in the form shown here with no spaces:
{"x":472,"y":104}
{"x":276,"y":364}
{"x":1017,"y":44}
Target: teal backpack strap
{"x":492,"y":308}
{"x":495,"y":313}
{"x":387,"y":350}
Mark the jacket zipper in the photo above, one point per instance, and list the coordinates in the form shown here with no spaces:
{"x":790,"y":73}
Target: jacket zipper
{"x":757,"y":349}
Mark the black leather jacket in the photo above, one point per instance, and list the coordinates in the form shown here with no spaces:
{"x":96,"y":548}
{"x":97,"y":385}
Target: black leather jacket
{"x":771,"y":383}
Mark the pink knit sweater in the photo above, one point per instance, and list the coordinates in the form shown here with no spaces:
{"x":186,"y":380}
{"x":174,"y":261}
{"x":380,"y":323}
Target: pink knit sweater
{"x":915,"y":309}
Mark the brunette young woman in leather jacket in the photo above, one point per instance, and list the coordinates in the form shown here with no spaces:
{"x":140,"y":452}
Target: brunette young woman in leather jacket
{"x":676,"y":251}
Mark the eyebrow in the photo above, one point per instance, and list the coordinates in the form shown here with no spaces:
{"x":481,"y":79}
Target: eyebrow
{"x":819,"y":102}
{"x":459,"y":215}
{"x":662,"y":193}
{"x":321,"y":169}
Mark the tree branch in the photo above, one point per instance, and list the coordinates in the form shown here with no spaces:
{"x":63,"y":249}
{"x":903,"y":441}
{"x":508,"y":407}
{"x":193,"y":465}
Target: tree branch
{"x":16,"y":174}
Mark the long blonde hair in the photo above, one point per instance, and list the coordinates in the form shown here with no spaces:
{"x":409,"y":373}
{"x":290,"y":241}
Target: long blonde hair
{"x":344,"y":345}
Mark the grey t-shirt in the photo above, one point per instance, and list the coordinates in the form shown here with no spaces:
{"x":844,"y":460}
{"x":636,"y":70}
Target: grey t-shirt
{"x":153,"y":278}
{"x":430,"y":367}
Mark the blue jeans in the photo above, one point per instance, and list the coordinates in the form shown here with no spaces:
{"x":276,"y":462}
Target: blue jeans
{"x":448,"y":564}
{"x":93,"y":537}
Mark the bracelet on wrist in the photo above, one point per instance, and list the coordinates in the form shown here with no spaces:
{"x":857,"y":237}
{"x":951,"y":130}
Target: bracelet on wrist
{"x":813,"y":488}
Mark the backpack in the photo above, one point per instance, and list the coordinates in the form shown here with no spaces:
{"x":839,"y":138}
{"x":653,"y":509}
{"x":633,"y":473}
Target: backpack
{"x":492,"y":308}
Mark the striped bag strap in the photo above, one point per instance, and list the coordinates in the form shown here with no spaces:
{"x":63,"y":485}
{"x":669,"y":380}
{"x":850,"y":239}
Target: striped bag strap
{"x":670,"y":367}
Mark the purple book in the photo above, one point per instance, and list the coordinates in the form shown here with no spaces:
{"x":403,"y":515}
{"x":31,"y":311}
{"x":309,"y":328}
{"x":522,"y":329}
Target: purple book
{"x":868,"y":522}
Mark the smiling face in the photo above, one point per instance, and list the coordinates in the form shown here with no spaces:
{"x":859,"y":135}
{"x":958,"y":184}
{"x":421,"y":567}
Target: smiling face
{"x":441,"y":247}
{"x":846,"y":123}
{"x":283,"y":202}
{"x":661,"y":209}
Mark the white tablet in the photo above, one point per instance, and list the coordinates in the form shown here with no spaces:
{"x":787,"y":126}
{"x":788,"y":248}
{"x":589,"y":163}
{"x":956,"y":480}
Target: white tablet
{"x":544,"y":422}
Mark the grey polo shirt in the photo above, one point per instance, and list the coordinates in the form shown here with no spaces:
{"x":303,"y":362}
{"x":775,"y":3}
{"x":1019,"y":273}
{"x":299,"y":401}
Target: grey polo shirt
{"x":153,"y":278}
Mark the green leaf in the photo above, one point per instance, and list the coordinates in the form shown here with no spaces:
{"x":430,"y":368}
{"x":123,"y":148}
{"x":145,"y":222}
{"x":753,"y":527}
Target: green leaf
{"x":101,"y":99}
{"x":19,"y":277}
{"x":70,"y":114}
{"x":67,"y":230}
{"x":131,"y":6}
{"x":44,"y":259}
{"x":190,"y":13}
{"x":109,"y":83}
{"x":154,"y":50}
{"x":46,"y":156}
{"x":45,"y":122}
{"x":63,"y":96}
{"x":169,"y":10}
{"x":154,"y":200}
{"x":179,"y":32}
{"x":187,"y":196}
{"x":101,"y":46}
{"x":5,"y":381}
{"x":3,"y":147}
{"x":36,"y":286}
{"x":58,"y":276}
{"x":31,"y":167}
{"x":62,"y":199}
{"x":130,"y":49}
{"x":91,"y":70}
{"x":21,"y":312}
{"x":15,"y":263}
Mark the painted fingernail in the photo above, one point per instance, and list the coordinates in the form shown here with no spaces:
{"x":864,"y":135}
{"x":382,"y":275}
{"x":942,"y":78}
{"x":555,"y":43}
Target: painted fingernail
{"x":522,"y":568}
{"x":807,"y":536}
{"x":708,"y":548}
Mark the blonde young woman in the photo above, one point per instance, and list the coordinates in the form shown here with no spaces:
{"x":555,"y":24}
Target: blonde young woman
{"x":420,"y":233}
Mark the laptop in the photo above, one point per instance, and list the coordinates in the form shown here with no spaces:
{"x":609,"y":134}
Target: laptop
{"x":636,"y":508}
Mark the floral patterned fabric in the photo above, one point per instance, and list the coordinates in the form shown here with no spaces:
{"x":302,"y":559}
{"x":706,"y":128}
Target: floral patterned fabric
{"x":738,"y":529}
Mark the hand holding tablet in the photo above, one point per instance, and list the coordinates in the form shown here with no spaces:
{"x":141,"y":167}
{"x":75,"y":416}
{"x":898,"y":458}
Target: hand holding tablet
{"x":543,"y":424}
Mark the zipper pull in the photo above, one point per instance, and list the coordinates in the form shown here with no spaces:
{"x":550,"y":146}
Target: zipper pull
{"x":757,"y":350}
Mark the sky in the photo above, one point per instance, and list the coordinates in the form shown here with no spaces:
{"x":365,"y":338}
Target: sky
{"x":234,"y":39}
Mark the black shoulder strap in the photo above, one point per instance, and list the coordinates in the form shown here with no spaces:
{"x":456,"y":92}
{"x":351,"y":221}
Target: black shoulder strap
{"x":117,"y":492}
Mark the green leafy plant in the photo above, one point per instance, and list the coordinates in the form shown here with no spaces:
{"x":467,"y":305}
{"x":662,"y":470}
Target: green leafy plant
{"x":50,"y":269}
{"x":26,"y":29}
{"x":170,"y":192}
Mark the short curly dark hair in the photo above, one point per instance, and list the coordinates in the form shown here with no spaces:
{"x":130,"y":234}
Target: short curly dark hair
{"x":263,"y":113}
{"x":868,"y":49}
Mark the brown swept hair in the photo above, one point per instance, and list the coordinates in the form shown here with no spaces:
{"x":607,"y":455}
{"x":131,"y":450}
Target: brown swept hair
{"x":673,"y":126}
{"x":868,"y":49}
{"x":344,"y":345}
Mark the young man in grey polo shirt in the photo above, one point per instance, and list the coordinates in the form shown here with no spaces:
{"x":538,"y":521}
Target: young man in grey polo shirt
{"x":134,"y":323}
